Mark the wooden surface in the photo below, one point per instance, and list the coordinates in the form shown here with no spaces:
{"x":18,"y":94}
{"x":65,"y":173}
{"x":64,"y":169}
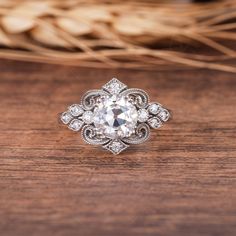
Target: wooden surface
{"x":182,"y":182}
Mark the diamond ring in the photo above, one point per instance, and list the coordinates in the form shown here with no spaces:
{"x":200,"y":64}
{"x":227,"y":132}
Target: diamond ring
{"x":115,"y":116}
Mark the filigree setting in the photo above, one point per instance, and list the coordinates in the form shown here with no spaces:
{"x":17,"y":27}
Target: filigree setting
{"x":115,"y":117}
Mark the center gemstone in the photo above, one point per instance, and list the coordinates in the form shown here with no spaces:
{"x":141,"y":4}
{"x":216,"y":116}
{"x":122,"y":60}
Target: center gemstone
{"x":115,"y":117}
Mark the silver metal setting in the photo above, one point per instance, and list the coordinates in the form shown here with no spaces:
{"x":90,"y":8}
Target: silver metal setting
{"x":115,"y":116}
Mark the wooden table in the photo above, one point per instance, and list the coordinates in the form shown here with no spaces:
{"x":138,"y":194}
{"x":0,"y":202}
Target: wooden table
{"x":182,"y":182}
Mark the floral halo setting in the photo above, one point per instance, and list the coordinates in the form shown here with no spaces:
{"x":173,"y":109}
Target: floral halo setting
{"x":115,"y":116}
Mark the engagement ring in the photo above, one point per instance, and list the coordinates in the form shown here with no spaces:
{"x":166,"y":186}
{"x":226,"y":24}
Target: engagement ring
{"x":115,"y":116}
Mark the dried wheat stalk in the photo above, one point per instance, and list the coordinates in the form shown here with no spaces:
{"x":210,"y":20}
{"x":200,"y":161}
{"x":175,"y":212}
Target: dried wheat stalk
{"x":88,"y":33}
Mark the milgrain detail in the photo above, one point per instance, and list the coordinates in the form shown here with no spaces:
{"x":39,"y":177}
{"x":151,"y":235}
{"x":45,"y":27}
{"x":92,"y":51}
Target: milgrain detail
{"x":115,"y":116}
{"x":89,"y":99}
{"x":90,"y":136}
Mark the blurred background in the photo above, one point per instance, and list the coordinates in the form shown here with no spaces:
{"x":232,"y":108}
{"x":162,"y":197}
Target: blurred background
{"x":146,"y":34}
{"x":181,"y":182}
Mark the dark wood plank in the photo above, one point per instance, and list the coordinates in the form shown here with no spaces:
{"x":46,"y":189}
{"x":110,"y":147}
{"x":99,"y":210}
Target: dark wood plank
{"x":181,"y":182}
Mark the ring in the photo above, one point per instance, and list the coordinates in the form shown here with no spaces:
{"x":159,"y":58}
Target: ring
{"x":115,"y":116}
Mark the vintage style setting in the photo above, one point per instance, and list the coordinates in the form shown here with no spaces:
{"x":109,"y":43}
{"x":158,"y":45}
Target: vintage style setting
{"x":86,"y":146}
{"x":115,"y":116}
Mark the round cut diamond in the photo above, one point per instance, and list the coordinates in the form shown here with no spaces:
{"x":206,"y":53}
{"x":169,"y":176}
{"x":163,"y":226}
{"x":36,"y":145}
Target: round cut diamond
{"x":76,"y":125}
{"x":115,"y":117}
{"x":164,"y":114}
{"x":155,"y":123}
{"x":76,"y":110}
{"x":154,"y":108}
{"x":142,"y":115}
{"x":88,"y":117}
{"x":66,"y":117}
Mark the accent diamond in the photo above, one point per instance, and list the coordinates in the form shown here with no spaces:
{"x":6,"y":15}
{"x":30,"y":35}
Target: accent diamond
{"x":164,"y":114}
{"x":155,"y":122}
{"x":154,"y":108}
{"x":76,"y":110}
{"x":114,"y":86}
{"x":143,"y":115}
{"x":115,"y":117}
{"x":88,"y":117}
{"x":76,"y":125}
{"x":116,"y":146}
{"x":66,"y":117}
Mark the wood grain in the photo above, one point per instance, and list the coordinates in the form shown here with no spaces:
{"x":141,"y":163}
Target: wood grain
{"x":182,"y":182}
